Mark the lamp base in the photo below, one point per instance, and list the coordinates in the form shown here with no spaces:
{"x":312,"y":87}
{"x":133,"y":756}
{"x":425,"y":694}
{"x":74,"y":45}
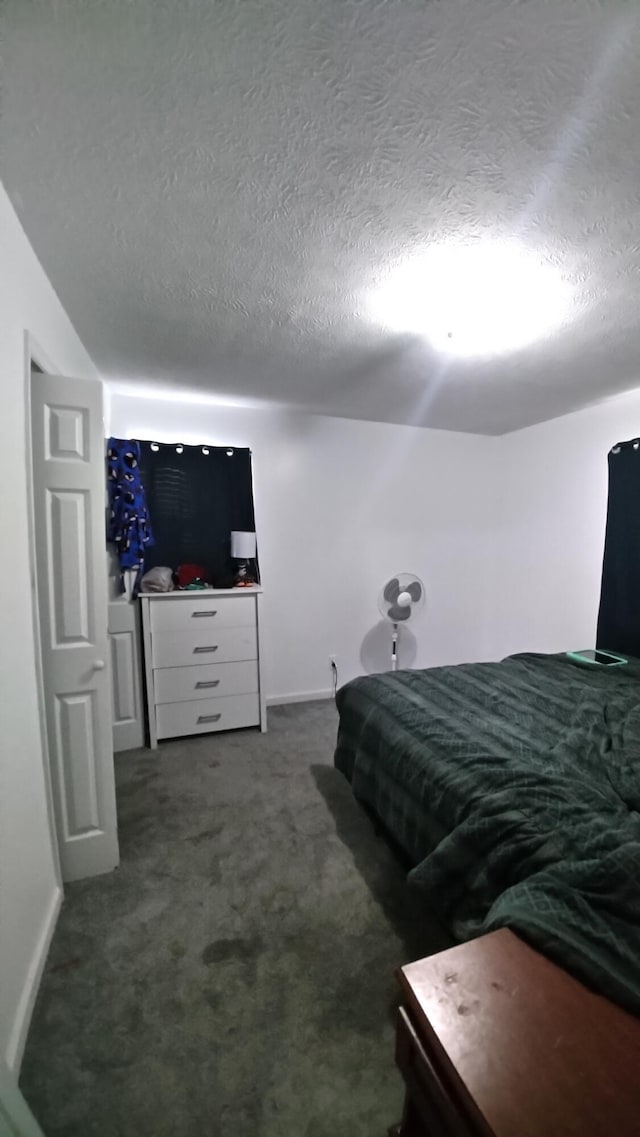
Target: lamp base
{"x":244,"y":576}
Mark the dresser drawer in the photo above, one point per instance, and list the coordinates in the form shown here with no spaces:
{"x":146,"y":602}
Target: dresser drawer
{"x":209,"y":645}
{"x":208,"y":680}
{"x":199,"y":612}
{"x":201,"y":715}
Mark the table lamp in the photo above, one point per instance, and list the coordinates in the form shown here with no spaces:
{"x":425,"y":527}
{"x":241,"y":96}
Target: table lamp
{"x":243,"y":550}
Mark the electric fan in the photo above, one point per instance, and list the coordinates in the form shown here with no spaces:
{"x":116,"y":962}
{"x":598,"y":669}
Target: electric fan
{"x":399,"y":601}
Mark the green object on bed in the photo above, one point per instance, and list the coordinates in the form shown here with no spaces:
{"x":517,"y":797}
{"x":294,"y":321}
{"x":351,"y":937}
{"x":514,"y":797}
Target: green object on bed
{"x":514,"y":790}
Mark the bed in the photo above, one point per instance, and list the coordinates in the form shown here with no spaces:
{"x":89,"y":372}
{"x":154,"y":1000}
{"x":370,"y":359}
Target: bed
{"x":513,"y":788}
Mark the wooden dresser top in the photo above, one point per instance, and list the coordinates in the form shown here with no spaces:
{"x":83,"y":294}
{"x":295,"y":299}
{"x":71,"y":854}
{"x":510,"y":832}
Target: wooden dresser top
{"x":524,"y":1047}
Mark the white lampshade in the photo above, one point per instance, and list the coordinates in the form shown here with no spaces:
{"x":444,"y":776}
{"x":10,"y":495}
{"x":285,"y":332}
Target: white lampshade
{"x":243,"y":545}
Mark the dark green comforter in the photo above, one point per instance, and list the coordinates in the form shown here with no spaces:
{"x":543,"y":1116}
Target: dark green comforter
{"x":514,"y":788}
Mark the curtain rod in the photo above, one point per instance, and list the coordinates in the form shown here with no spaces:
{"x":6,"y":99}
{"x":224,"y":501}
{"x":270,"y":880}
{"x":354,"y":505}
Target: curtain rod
{"x":634,"y":443}
{"x":204,"y":447}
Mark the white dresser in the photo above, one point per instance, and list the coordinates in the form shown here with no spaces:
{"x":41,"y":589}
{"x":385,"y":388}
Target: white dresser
{"x":202,"y":661}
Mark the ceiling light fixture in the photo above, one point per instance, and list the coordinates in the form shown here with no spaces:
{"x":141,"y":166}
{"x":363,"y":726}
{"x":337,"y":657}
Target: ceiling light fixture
{"x":474,"y":300}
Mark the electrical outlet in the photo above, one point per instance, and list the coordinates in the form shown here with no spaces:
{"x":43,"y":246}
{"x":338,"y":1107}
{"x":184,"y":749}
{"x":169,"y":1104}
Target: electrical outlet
{"x":333,"y":661}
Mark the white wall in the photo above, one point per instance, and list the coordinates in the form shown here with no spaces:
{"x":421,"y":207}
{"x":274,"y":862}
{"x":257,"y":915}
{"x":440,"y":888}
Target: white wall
{"x":507,"y":532}
{"x":29,"y":892}
{"x":553,"y":502}
{"x":340,"y":506}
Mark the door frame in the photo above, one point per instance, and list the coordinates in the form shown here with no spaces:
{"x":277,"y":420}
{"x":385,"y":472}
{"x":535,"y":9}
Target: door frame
{"x":34,"y":353}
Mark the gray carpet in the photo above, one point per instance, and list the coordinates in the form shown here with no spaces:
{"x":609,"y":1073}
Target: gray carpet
{"x":234,"y":977}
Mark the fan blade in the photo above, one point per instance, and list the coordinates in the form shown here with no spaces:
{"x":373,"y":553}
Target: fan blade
{"x":415,"y":590}
{"x":391,"y":590}
{"x":396,"y":613}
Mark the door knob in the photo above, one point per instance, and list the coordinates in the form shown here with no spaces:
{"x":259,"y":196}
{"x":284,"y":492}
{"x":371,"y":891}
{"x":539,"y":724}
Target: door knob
{"x":98,"y":665}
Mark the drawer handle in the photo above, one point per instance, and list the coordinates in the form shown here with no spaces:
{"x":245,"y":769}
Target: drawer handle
{"x":199,"y":650}
{"x":207,"y":683}
{"x":211,"y":612}
{"x":210,"y":718}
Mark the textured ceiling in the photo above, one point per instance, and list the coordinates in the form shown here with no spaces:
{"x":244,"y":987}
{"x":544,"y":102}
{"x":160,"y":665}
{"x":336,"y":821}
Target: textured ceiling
{"x":217,"y":187}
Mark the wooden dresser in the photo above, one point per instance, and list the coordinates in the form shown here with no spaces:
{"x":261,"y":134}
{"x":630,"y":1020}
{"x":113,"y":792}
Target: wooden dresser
{"x":494,"y":1040}
{"x":202,"y":661}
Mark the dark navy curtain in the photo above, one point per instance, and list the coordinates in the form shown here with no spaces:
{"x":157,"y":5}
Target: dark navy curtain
{"x":196,"y":495}
{"x":619,"y":615}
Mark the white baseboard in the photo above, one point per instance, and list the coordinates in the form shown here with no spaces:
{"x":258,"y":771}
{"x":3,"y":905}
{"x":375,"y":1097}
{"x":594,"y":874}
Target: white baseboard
{"x":19,"y":1031}
{"x":299,"y":697}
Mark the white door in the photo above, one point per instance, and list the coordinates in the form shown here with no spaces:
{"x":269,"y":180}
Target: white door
{"x":69,"y":519}
{"x":126,"y":675}
{"x":16,"y":1119}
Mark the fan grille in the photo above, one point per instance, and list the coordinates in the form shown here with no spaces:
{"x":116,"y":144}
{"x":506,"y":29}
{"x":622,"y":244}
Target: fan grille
{"x":401,"y":596}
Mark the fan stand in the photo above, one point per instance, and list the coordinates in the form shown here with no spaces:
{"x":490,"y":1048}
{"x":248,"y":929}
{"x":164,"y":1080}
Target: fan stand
{"x":394,"y":648}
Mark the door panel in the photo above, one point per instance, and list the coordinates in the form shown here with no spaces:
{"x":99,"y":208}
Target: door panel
{"x":68,"y":490}
{"x":67,"y":538}
{"x":66,"y":431}
{"x":126,"y":675}
{"x":122,"y":658}
{"x":75,"y":716}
